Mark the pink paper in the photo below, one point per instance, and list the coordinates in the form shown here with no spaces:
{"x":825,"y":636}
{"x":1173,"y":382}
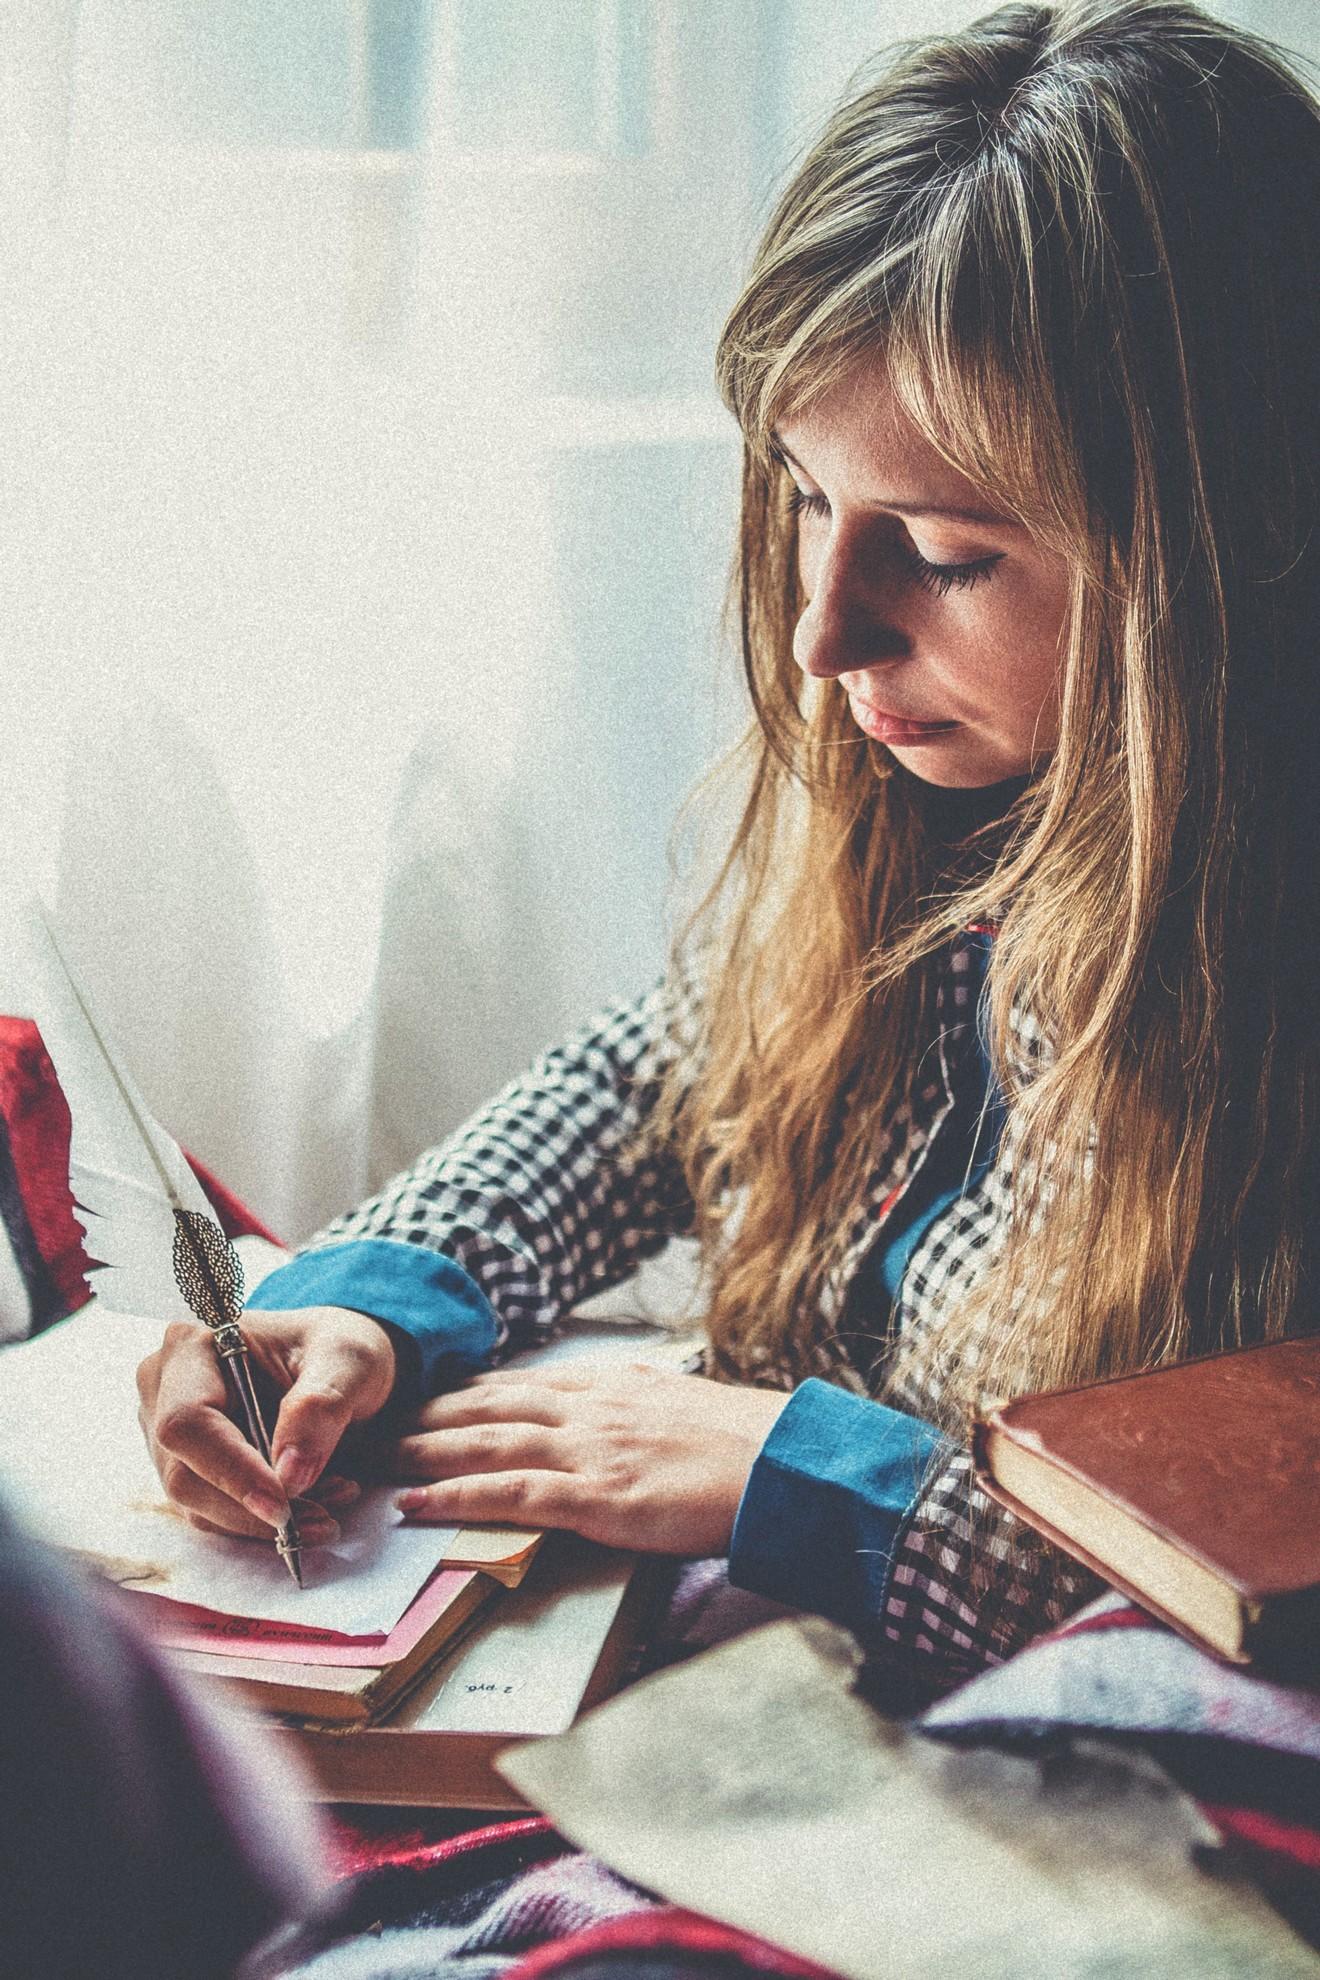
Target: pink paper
{"x":185,"y":1627}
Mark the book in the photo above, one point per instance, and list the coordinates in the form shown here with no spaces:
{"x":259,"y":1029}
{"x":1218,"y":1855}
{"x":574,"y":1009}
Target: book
{"x":1194,"y":1489}
{"x":180,"y":1626}
{"x":328,"y":1679}
{"x":342,"y":1653}
{"x":545,"y":1654}
{"x":503,"y":1552}
{"x":77,"y":1469}
{"x":428,"y":1736}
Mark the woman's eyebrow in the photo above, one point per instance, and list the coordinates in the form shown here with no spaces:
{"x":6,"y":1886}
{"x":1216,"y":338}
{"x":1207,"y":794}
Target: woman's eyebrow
{"x":949,"y":511}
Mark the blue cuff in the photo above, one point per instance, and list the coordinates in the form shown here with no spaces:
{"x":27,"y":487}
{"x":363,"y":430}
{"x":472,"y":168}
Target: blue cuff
{"x":825,"y":1501}
{"x":445,"y":1327}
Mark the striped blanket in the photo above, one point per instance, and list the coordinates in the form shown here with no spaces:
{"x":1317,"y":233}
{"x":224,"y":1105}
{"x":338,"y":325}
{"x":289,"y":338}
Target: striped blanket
{"x":515,"y":1900}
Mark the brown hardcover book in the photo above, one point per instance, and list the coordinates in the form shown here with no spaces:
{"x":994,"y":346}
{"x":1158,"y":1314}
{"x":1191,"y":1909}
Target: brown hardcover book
{"x":1194,"y":1489}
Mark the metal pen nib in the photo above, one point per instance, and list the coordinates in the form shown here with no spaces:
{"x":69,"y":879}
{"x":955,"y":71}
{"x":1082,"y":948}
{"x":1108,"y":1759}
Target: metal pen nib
{"x":289,"y":1547}
{"x":210,"y":1277}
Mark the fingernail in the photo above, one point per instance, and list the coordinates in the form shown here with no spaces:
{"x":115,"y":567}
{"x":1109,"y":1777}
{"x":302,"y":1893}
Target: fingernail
{"x":338,"y":1491}
{"x":297,"y":1469}
{"x":410,"y":1501}
{"x":264,"y":1505}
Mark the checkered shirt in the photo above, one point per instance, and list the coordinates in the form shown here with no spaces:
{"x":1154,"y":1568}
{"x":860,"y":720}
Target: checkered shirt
{"x":550,"y":1194}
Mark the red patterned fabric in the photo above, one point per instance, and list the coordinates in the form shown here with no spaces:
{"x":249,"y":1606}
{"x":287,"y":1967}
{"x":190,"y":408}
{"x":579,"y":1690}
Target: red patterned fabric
{"x":36,"y":1115}
{"x":43,"y":1234}
{"x":1256,"y":1831}
{"x":236,"y":1220}
{"x":383,"y":1842}
{"x":1246,"y":1745}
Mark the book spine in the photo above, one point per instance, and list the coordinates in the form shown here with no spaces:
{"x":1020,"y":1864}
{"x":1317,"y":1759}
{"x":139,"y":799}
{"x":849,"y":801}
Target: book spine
{"x":993,"y":1490}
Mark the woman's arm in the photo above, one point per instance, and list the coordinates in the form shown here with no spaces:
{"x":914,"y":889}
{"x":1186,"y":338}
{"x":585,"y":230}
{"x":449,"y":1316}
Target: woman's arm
{"x":823,"y":1500}
{"x":866,"y":1514}
{"x":545,"y":1196}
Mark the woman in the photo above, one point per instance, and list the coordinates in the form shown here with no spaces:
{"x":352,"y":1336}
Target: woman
{"x":1000,"y":1071}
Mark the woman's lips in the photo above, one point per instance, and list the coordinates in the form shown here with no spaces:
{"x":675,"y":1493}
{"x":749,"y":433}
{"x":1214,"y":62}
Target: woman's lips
{"x":894,"y":728}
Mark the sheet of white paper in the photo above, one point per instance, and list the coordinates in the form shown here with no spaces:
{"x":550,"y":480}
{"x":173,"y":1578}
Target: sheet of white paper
{"x":604,"y":1343}
{"x":74,"y":1466}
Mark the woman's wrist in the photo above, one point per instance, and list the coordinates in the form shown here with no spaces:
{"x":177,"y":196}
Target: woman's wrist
{"x":440,"y":1324}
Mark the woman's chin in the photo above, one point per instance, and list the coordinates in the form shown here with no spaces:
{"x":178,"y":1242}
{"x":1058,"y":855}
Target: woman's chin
{"x":953,"y":762}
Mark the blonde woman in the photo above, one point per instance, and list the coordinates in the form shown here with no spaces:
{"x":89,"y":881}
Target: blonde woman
{"x":1001,"y":1067}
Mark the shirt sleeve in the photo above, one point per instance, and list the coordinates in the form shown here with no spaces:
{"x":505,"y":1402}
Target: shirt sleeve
{"x":442,"y":1325}
{"x":552,"y":1192}
{"x":825,"y":1502}
{"x":870,"y":1516}
{"x":971,"y":1583}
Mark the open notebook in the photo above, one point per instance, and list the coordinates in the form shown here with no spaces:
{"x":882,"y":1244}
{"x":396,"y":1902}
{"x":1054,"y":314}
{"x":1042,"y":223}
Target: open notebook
{"x":75,"y":1468}
{"x":378,"y":1608}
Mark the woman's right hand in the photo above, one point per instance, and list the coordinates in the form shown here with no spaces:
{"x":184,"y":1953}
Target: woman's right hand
{"x":334,"y":1367}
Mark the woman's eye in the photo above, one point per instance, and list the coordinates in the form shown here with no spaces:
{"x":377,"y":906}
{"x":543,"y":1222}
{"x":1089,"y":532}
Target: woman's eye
{"x":937,"y":578}
{"x":943,"y":578}
{"x":802,"y":504}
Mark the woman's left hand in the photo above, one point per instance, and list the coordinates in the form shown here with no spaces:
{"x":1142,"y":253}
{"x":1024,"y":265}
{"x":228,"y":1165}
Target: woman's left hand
{"x":633,"y":1457}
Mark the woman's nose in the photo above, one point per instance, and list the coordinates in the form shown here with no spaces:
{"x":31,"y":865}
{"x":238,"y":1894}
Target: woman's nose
{"x":849,"y":620}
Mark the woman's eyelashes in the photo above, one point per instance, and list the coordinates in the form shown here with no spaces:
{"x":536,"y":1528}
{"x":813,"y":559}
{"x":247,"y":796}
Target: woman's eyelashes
{"x":802,"y":504}
{"x":941,"y":578}
{"x":934,"y":577}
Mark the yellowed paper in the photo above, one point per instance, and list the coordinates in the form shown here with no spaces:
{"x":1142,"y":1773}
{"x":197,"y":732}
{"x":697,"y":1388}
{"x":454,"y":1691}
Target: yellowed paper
{"x":753,"y":1785}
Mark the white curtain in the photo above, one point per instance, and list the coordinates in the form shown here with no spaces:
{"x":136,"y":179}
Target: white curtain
{"x":366,"y":515}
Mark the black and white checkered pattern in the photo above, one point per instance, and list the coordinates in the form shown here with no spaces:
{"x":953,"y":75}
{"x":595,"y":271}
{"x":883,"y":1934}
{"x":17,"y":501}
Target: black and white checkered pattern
{"x":544,"y":1199}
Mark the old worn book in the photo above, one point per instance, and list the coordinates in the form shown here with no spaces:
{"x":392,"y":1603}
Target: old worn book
{"x":1195,"y":1489}
{"x":546,"y":1652}
{"x":380,"y":1607}
{"x":347,"y":1681}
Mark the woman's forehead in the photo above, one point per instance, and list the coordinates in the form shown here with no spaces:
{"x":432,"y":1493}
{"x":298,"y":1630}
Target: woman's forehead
{"x":860,"y":430}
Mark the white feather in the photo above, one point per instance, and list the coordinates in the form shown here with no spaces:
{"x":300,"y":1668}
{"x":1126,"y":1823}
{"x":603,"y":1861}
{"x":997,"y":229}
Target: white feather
{"x":127,"y":1175}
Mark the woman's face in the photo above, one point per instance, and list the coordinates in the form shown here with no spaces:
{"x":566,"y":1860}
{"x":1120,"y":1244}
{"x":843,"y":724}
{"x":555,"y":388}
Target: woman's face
{"x":941,"y":619}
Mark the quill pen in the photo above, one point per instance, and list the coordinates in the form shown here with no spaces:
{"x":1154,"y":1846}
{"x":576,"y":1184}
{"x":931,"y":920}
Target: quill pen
{"x":152,"y":1236}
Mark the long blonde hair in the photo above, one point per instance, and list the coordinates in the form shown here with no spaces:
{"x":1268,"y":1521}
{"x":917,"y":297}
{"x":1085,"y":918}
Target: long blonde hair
{"x":1085,"y":239}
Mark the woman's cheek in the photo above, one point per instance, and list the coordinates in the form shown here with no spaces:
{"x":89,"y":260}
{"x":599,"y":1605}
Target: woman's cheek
{"x":808,"y":563}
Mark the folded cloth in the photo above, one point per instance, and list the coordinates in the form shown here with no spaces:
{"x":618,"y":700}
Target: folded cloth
{"x":515,"y":1899}
{"x":1246,"y":1746}
{"x":1112,"y":1668}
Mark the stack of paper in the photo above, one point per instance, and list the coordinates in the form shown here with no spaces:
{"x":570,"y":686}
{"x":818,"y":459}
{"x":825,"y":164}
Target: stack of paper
{"x":380,"y":1607}
{"x":377,"y":1606}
